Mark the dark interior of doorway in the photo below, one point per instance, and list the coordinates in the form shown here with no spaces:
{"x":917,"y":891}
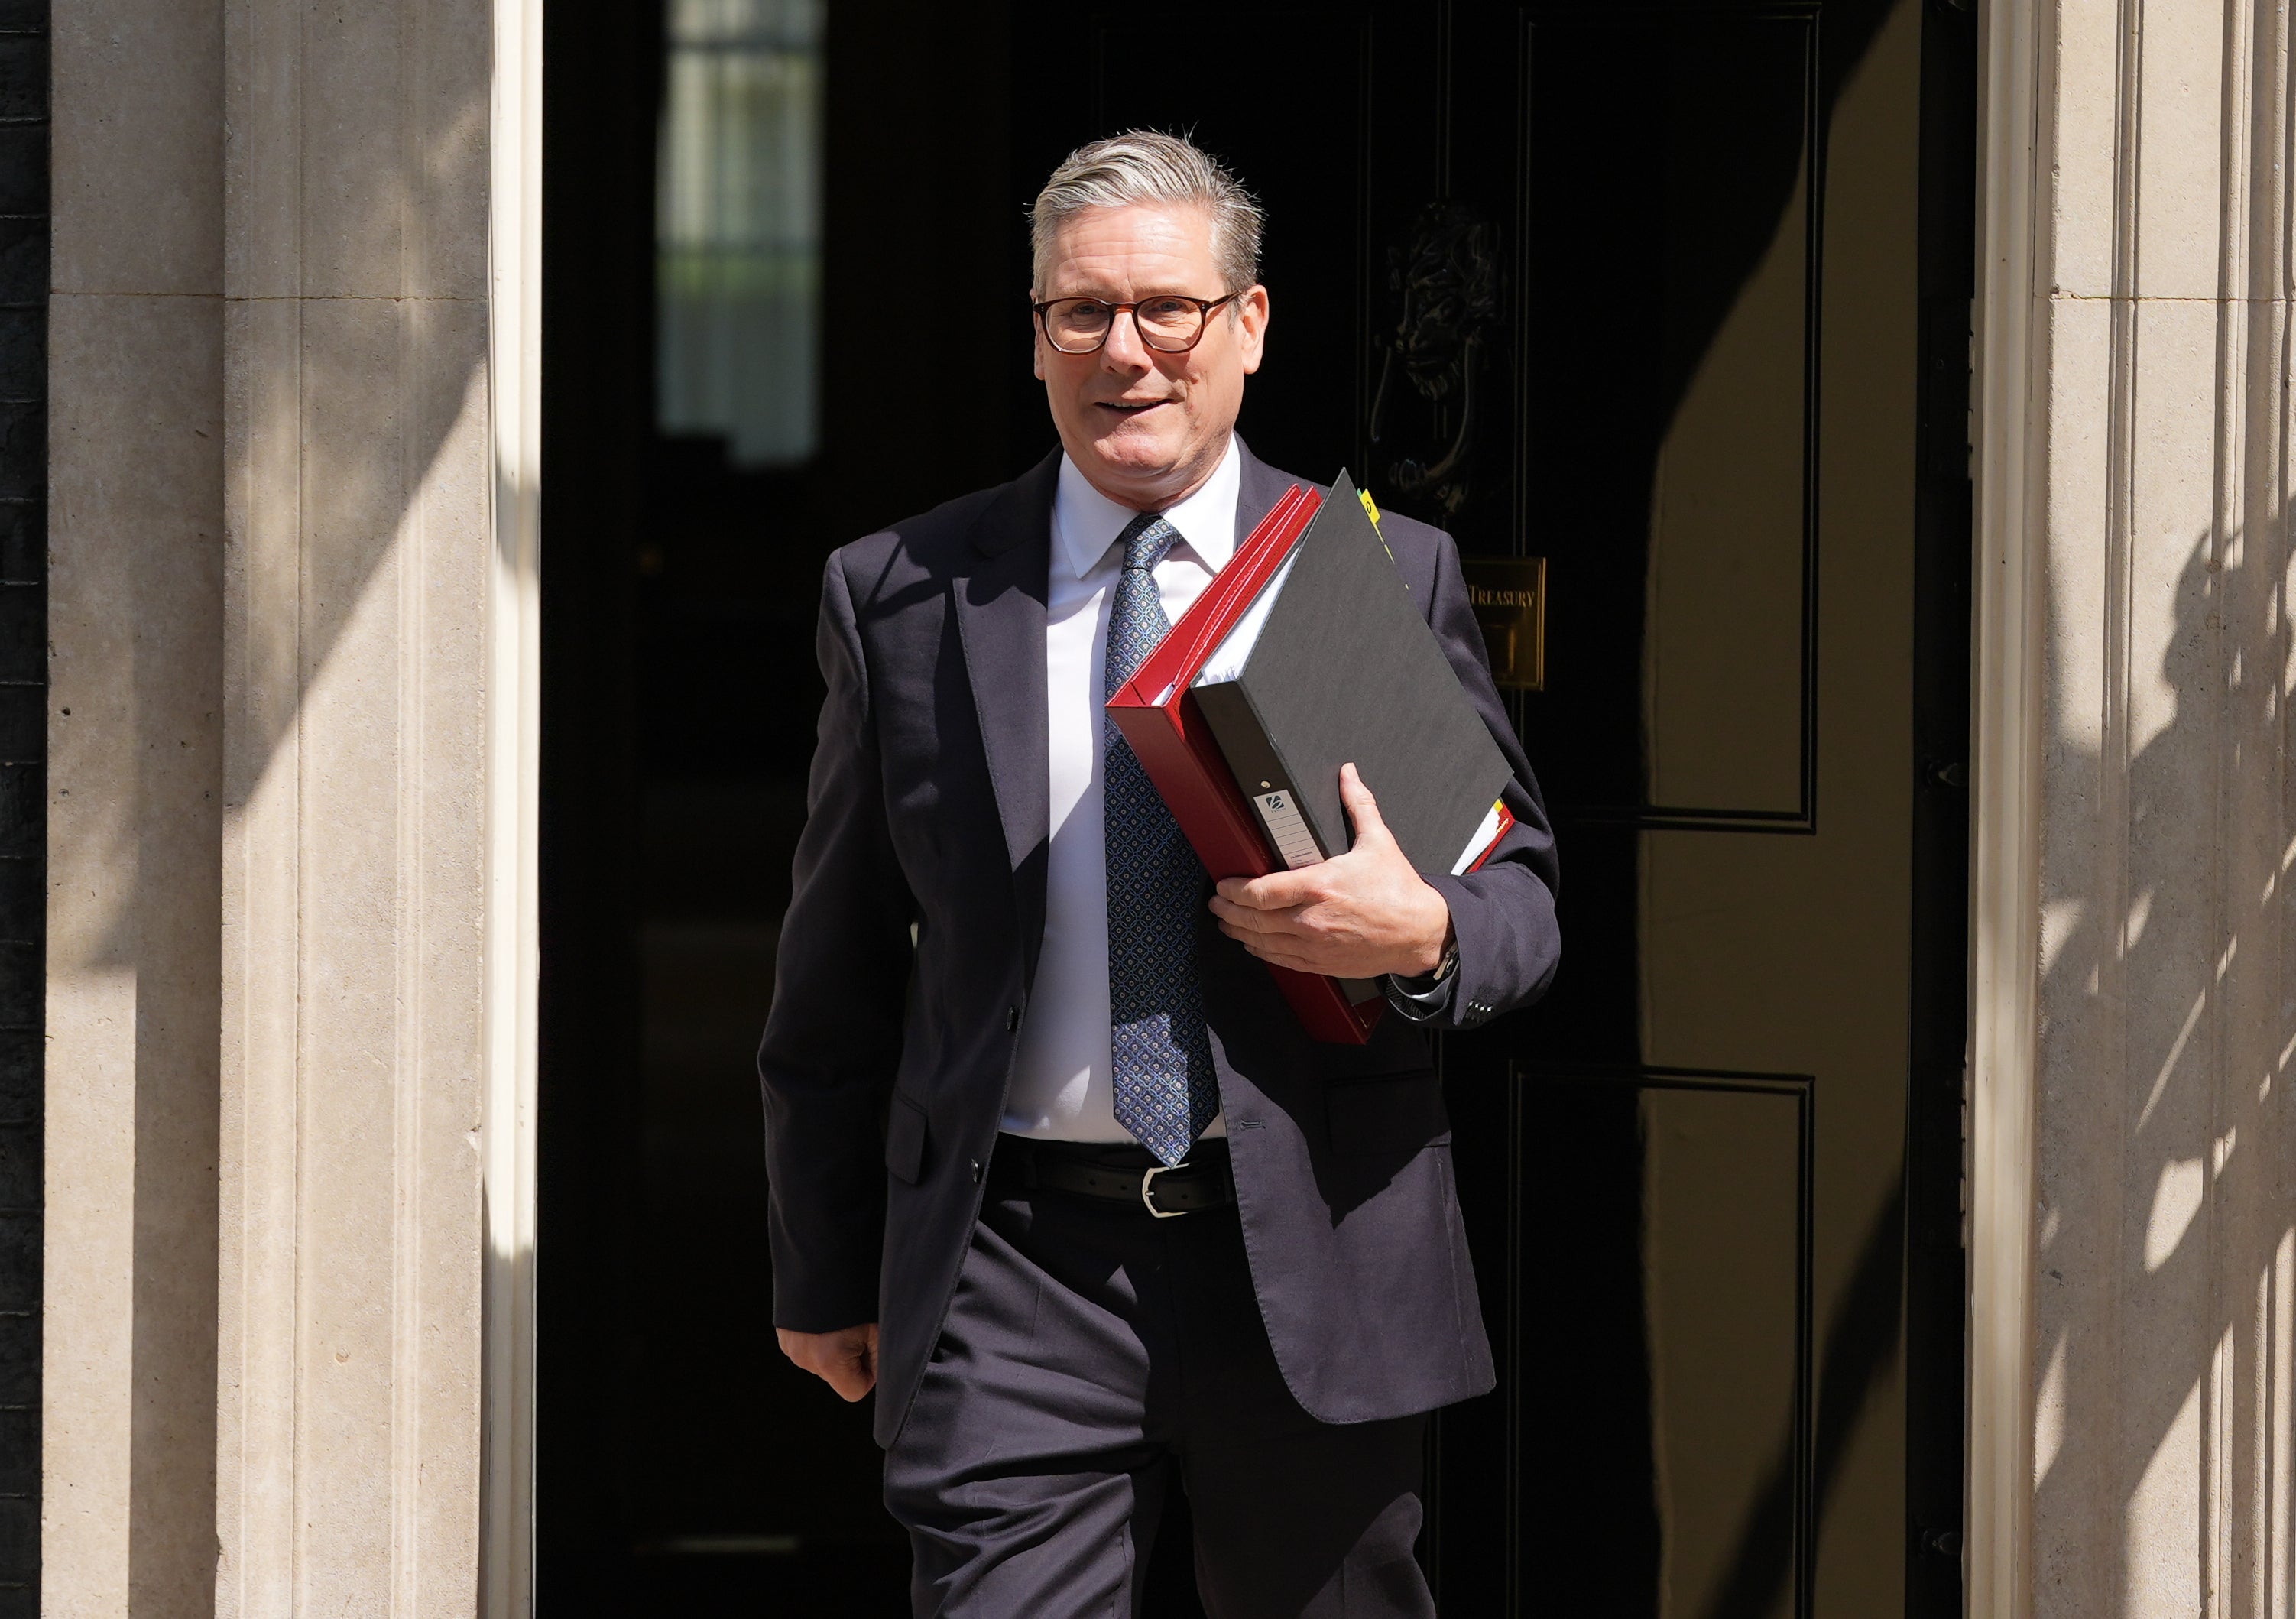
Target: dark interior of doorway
{"x":684,"y":1466}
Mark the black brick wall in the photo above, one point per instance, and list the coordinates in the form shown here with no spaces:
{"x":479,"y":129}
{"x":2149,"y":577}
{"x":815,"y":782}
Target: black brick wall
{"x":23,"y":775}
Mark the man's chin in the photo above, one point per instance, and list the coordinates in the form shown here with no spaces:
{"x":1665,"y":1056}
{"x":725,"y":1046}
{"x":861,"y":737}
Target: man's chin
{"x":1136,"y":454}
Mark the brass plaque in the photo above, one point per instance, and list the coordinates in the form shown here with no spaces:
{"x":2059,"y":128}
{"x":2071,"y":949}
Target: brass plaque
{"x":1509,"y":593}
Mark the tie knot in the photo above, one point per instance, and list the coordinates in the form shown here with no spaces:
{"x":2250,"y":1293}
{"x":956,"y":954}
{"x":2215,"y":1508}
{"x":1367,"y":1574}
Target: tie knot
{"x":1146,"y":539}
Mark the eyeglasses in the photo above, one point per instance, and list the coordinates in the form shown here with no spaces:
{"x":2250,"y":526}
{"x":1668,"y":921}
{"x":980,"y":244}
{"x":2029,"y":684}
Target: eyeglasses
{"x":1167,"y":323}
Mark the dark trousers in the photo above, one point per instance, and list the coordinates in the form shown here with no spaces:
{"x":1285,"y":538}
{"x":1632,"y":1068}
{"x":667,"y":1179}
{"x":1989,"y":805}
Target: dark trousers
{"x":1093,"y":1356}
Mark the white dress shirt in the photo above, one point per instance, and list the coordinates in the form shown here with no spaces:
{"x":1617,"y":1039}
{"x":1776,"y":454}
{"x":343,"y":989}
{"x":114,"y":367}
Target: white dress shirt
{"x":1060,"y":1089}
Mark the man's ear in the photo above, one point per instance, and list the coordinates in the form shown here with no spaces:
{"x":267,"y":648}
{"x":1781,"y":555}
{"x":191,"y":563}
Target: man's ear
{"x":1035,"y":348}
{"x":1251,"y":327}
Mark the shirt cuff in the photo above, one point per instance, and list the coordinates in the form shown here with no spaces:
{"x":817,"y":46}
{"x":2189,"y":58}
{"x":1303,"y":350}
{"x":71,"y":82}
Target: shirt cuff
{"x":1420,"y":1000}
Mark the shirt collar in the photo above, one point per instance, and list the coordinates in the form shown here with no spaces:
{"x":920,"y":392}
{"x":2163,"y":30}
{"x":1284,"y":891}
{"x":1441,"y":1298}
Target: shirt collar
{"x":1085,"y":522}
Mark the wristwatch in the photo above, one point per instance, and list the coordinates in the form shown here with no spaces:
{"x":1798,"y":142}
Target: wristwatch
{"x":1422,"y":984}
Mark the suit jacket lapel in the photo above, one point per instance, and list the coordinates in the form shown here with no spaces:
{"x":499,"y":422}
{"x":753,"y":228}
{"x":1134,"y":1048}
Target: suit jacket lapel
{"x":1257,"y":490}
{"x":1000,"y":619}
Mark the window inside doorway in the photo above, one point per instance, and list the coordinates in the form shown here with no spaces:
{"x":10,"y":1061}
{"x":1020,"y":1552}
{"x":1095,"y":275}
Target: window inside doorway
{"x":738,"y":227}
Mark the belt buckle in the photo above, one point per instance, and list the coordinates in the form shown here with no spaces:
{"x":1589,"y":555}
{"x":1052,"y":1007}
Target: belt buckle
{"x":1148,"y":1199}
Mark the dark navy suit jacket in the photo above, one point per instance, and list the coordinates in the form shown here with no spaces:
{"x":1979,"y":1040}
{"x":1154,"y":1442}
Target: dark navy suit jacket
{"x":885,"y":1061}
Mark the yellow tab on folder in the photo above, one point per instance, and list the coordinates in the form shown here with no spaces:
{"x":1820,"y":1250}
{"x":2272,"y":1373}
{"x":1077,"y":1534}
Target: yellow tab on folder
{"x":1371,"y":509}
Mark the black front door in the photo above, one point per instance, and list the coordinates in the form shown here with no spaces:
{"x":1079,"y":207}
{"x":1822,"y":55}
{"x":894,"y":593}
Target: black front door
{"x":1669,"y":296}
{"x":1640,"y":289}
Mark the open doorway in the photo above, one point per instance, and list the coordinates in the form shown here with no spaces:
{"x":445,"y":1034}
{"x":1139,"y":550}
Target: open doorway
{"x":1701,"y":269}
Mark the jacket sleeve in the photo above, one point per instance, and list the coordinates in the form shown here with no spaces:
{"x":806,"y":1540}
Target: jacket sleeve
{"x":1502,"y":916}
{"x":833,"y":1039}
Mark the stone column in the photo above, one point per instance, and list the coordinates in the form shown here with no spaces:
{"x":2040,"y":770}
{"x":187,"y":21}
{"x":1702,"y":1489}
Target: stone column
{"x":292,"y":815}
{"x":359,"y":584}
{"x":2136,"y":538}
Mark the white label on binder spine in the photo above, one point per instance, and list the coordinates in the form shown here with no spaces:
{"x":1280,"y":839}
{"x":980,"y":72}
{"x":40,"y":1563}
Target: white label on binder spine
{"x":1286,"y":830}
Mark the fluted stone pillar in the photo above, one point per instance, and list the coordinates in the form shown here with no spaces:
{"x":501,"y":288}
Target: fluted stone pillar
{"x":356,"y":688}
{"x":2135,"y":1276}
{"x":292,"y":896}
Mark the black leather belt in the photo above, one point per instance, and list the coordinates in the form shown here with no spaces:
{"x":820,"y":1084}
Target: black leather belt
{"x":1129,"y":1176}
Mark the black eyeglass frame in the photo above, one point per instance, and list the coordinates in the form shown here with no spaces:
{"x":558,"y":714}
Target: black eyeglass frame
{"x":1204,"y":308}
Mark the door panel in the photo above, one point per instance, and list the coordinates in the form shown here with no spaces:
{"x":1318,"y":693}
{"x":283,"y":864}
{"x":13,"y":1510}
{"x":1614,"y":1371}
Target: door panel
{"x":1724,"y":1220}
{"x":1673,"y":279}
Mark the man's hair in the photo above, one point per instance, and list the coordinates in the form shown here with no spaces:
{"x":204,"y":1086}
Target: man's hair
{"x":1142,"y":165}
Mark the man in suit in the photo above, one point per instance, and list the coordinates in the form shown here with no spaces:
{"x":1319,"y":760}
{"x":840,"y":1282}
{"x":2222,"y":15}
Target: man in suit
{"x":1053,"y":1167}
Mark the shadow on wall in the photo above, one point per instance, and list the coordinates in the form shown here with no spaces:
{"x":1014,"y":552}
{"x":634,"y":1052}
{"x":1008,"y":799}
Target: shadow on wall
{"x":2165,"y":1263}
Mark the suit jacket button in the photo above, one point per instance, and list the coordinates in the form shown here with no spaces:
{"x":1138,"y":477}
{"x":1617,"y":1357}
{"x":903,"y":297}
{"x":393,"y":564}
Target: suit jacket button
{"x":1012,"y":1019}
{"x":976,"y":1172}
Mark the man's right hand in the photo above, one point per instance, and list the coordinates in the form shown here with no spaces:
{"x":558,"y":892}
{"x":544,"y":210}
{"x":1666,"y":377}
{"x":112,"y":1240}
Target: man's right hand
{"x":845,"y":1360}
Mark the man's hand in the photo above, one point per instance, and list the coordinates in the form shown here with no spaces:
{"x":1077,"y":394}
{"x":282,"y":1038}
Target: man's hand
{"x":1356,"y":915}
{"x":845,"y":1360}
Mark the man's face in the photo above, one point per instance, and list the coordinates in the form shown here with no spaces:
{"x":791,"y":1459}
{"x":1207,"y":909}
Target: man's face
{"x":1145,"y":428}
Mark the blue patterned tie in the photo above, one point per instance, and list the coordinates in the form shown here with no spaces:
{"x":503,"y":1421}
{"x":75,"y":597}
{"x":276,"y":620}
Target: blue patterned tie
{"x":1161,"y":1054}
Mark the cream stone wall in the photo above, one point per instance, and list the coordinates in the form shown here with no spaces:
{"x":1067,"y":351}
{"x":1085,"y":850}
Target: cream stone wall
{"x":2134,"y":834}
{"x":276,"y":912}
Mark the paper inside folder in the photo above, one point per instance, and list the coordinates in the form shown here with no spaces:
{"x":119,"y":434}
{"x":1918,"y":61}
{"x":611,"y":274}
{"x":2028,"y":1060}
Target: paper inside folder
{"x":1486,"y":839}
{"x":1227,"y":659}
